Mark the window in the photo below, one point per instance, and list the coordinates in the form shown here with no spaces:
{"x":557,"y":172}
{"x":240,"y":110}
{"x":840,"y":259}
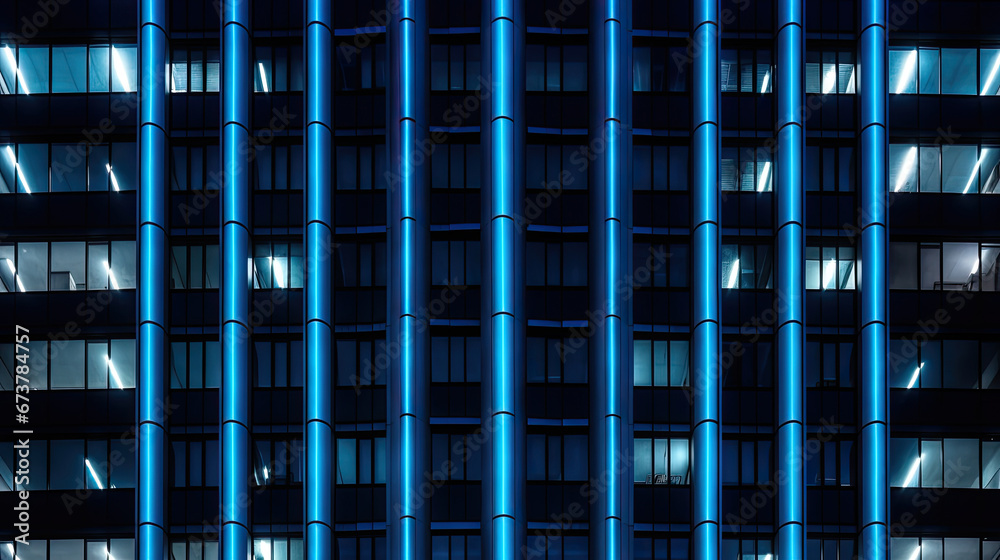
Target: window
{"x":455,"y":359}
{"x":26,"y":69}
{"x":278,"y":462}
{"x":830,"y":168}
{"x":455,"y":263}
{"x":556,"y":68}
{"x":662,"y":461}
{"x":279,"y":167}
{"x":660,"y":168}
{"x":71,"y":549}
{"x":278,"y":266}
{"x":69,"y":69}
{"x":456,"y":456}
{"x":557,"y":264}
{"x":197,"y":167}
{"x":746,"y":462}
{"x":661,"y":363}
{"x":72,"y":464}
{"x":194,"y":267}
{"x":654,"y":68}
{"x":555,"y":360}
{"x":277,"y":548}
{"x":455,"y":166}
{"x":557,"y":457}
{"x":455,"y":67}
{"x":830,"y":72}
{"x":924,"y":548}
{"x":74,"y":364}
{"x":830,"y":268}
{"x":949,"y":71}
{"x":647,"y":548}
{"x":195,"y":365}
{"x":746,"y":71}
{"x":278,"y":363}
{"x":361,"y":362}
{"x":25,"y":267}
{"x":556,"y":167}
{"x":747,"y":169}
{"x":453,"y":547}
{"x":361,"y":461}
{"x":747,"y":267}
{"x":278,"y":69}
{"x":357,"y":67}
{"x":943,"y":266}
{"x":541,"y":546}
{"x":660,"y":266}
{"x":835,"y":549}
{"x":942,"y":463}
{"x":34,"y":168}
{"x":361,"y":167}
{"x":194,"y":70}
{"x":362,"y":263}
{"x":949,"y":364}
{"x":830,"y":364}
{"x":196,"y":549}
{"x":194,"y":463}
{"x":829,"y":463}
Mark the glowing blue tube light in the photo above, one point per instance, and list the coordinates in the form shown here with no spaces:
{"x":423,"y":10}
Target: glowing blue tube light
{"x":790,"y":286}
{"x":152,"y":294}
{"x":706,"y":337}
{"x":318,"y":392}
{"x":611,"y":235}
{"x":236,"y":269}
{"x":874,"y":436}
{"x":408,"y":424}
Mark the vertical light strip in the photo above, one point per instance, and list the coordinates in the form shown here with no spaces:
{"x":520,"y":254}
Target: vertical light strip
{"x":235,"y":392}
{"x":611,"y":242}
{"x":705,"y":340}
{"x":874,"y":436}
{"x":409,"y":239}
{"x":503,"y":324}
{"x":790,"y":288}
{"x":152,"y":336}
{"x":319,"y":343}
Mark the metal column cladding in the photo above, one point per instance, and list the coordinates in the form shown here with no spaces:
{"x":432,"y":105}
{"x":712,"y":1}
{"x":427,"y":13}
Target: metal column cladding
{"x":504,"y":524}
{"x":236,"y":270}
{"x":151,"y":518}
{"x":610,"y":249}
{"x":706,"y":341}
{"x":319,"y":344}
{"x":790,"y":287}
{"x":409,"y":295}
{"x":874,"y":442}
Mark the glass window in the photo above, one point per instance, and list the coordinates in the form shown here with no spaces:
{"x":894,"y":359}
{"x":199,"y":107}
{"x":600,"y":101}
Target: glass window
{"x":989,"y":64}
{"x":67,"y":364}
{"x":991,"y":464}
{"x":904,"y":469}
{"x":69,"y":170}
{"x":67,"y":465}
{"x":31,"y":273}
{"x":575,"y":68}
{"x":32,"y":166}
{"x":903,"y":168}
{"x":100,"y":77}
{"x":68,"y":266}
{"x":958,"y":71}
{"x":69,"y":69}
{"x":123,"y":65}
{"x":961,"y":456}
{"x":346,"y":462}
{"x":33,"y":69}
{"x":643,"y":459}
{"x":930,"y":463}
{"x":902,"y":266}
{"x":959,"y":169}
{"x":930,"y":71}
{"x":903,"y":70}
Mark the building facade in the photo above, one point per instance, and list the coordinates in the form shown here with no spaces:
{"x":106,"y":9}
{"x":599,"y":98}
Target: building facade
{"x":567,"y":279}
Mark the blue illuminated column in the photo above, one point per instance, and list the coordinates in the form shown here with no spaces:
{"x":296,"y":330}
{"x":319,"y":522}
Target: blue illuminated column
{"x":151,"y":515}
{"x":790,"y":287}
{"x":319,"y":344}
{"x":503,"y":322}
{"x":872,"y":85}
{"x":610,"y":270}
{"x":705,"y":338}
{"x":236,"y":269}
{"x":409,"y":294}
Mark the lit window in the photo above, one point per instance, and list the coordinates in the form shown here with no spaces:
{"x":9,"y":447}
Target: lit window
{"x":958,"y":71}
{"x":69,"y":69}
{"x":830,"y":268}
{"x":123,"y":66}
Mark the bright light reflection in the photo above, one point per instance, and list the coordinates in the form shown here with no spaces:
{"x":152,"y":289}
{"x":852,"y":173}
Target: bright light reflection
{"x":279,"y":273}
{"x":767,"y":82}
{"x":908,"y":67}
{"x":263,"y":76}
{"x":17,"y":168}
{"x":765,"y":176}
{"x":993,"y":74}
{"x":20,"y":76}
{"x":830,"y":79}
{"x":114,"y":372}
{"x":120,"y":70}
{"x":111,"y":275}
{"x":913,"y":471}
{"x":93,"y":473}
{"x":734,"y":274}
{"x":114,"y":180}
{"x":916,"y":553}
{"x":975,"y":170}
{"x":10,"y":265}
{"x":907,"y":170}
{"x":829,"y":274}
{"x":916,"y":375}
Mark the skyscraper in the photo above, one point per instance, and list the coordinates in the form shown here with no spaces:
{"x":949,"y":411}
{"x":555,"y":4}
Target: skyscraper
{"x":556,"y":280}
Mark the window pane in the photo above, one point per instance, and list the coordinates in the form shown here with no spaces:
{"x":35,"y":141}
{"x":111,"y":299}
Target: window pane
{"x":958,"y":71}
{"x":68,"y":266}
{"x":122,"y":363}
{"x":346,"y":462}
{"x":642,"y":362}
{"x":99,"y":69}
{"x":903,"y":71}
{"x":32,"y":168}
{"x":904,"y":469}
{"x":930,"y":267}
{"x":961,"y":458}
{"x":123,"y":64}
{"x":903,"y":266}
{"x":930,"y":77}
{"x":69,"y":69}
{"x":33,"y":63}
{"x":643,"y":459}
{"x":32,"y":267}
{"x":903,"y":168}
{"x":989,"y":64}
{"x":122,"y":264}
{"x":67,"y":360}
{"x":930,"y":169}
{"x":930,"y":464}
{"x":991,"y":464}
{"x":122,"y":173}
